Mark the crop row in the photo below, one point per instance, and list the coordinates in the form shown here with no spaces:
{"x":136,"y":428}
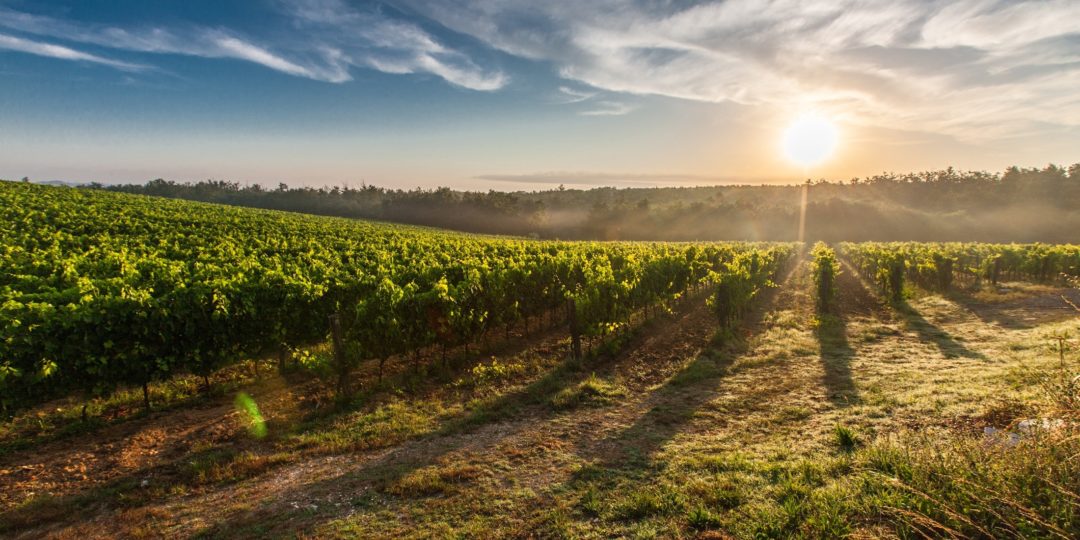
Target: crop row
{"x":100,"y":290}
{"x":938,"y":266}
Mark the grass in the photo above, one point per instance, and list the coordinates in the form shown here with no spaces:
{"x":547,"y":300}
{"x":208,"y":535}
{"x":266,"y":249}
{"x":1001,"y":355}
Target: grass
{"x":593,"y":391}
{"x":432,"y":480}
{"x":383,"y":426}
{"x":845,"y":438}
{"x":741,"y":439}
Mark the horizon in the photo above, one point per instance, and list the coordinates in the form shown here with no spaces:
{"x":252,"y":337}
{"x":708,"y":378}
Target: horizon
{"x":555,"y":182}
{"x":517,"y":97}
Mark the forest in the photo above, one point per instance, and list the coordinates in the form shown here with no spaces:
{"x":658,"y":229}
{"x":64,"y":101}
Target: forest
{"x":1017,"y":205}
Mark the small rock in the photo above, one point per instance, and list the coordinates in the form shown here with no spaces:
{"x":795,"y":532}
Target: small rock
{"x":1045,"y":424}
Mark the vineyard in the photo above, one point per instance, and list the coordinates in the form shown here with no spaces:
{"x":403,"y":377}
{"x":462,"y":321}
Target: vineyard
{"x":937,"y":267}
{"x":432,"y":383}
{"x":101,"y":290}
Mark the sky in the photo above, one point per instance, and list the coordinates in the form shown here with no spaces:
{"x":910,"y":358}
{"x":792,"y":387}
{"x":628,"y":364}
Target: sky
{"x":523,"y":95}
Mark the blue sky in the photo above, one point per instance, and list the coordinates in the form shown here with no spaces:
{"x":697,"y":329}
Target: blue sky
{"x":518,"y":94}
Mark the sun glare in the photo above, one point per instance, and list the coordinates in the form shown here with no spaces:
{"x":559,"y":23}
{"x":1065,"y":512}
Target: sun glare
{"x":810,"y":139}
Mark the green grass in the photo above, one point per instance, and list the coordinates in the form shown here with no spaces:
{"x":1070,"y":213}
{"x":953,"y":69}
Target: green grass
{"x":845,"y":438}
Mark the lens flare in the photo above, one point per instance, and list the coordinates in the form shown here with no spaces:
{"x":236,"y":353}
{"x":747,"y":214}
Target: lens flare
{"x":249,"y":410}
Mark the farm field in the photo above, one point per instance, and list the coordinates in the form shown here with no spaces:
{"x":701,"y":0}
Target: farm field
{"x":412,"y":269}
{"x":180,"y":369}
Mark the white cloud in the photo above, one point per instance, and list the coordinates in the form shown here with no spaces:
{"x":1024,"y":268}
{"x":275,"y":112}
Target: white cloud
{"x":232,"y":47}
{"x":573,"y":95}
{"x":13,"y":43}
{"x":973,"y":68}
{"x":372,"y":39}
{"x":335,"y":37}
{"x":609,"y":108}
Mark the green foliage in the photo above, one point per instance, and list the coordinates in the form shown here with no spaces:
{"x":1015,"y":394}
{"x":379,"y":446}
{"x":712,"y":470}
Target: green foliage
{"x":825,"y":268}
{"x":100,"y":290}
{"x":937,"y":266}
{"x":701,"y":518}
{"x":660,"y":500}
{"x":888,"y":206}
{"x":742,"y":278}
{"x":974,"y":487}
{"x":484,"y":374}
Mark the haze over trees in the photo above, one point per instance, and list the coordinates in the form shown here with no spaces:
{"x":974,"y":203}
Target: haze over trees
{"x":1019,"y":204}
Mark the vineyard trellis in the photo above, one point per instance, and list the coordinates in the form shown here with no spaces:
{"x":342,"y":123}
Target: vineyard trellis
{"x":100,"y":290}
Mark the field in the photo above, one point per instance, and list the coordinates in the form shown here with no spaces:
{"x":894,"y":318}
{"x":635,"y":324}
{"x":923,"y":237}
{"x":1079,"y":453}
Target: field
{"x":186,"y":370}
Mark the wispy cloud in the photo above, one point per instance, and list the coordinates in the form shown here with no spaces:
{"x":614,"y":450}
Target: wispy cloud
{"x":335,"y":38}
{"x":596,"y":103}
{"x":609,"y":108}
{"x":971,"y":68}
{"x":228,"y":46}
{"x":372,"y":39}
{"x":189,"y":41}
{"x":573,"y":95}
{"x":13,"y":43}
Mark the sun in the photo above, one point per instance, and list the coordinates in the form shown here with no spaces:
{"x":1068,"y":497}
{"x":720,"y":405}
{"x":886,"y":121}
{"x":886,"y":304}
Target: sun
{"x":810,"y":139}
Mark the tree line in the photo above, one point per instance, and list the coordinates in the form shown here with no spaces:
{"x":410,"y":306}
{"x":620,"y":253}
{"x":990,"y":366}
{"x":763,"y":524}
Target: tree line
{"x":1018,"y":204}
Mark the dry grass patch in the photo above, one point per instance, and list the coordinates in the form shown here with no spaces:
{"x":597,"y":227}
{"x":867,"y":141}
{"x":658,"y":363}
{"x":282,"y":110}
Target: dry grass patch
{"x":432,"y":480}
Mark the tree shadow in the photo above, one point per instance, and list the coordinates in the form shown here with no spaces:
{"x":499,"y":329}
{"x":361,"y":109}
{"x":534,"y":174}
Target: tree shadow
{"x":130,"y":491}
{"x":912,"y":319}
{"x":930,"y":333}
{"x":836,"y":355}
{"x":1021,"y":313}
{"x":139,"y":487}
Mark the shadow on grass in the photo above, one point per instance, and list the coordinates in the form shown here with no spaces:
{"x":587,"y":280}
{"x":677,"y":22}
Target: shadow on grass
{"x":456,"y":434}
{"x":930,"y":333}
{"x":1021,"y":312}
{"x":836,"y":355}
{"x":992,"y":315}
{"x":223,"y":464}
{"x":219,"y":465}
{"x":674,"y":405}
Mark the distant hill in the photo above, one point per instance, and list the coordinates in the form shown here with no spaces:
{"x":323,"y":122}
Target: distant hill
{"x":1021,"y":205}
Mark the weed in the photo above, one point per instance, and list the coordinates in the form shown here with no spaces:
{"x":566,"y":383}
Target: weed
{"x":653,"y":501}
{"x":845,"y":438}
{"x":700,"y":518}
